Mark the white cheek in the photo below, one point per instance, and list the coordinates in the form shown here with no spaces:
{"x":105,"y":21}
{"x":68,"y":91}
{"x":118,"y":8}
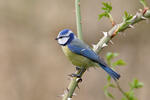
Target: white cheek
{"x":63,"y":40}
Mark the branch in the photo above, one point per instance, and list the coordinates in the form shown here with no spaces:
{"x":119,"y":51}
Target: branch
{"x":121,"y":90}
{"x":139,"y":16}
{"x":78,"y":19}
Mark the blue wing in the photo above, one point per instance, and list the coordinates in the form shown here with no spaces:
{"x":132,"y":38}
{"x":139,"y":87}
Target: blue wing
{"x":80,"y":48}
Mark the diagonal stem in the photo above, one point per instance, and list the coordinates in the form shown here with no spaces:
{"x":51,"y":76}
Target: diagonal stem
{"x":121,"y":90}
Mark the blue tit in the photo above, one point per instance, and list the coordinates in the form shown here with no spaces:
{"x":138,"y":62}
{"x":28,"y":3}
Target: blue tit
{"x":80,"y":54}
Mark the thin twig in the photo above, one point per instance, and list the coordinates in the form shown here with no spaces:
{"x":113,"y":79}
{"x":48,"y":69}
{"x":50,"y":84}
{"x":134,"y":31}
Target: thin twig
{"x":121,"y":90}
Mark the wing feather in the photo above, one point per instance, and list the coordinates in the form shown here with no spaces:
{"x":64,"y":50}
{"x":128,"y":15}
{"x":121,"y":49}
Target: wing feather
{"x":81,"y":48}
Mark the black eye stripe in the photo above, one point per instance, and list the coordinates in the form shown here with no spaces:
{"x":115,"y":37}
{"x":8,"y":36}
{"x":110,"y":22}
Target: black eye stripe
{"x":63,"y":37}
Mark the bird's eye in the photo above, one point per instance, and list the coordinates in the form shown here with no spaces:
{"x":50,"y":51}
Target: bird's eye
{"x":61,"y":37}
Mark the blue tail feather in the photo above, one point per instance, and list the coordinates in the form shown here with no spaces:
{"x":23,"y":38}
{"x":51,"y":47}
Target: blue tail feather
{"x":112,"y":73}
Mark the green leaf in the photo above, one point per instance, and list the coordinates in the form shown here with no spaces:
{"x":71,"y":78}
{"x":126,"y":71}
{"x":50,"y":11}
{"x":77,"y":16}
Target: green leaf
{"x":124,"y":98}
{"x":108,"y":94}
{"x":136,"y":84}
{"x":108,"y":78}
{"x":131,"y":95}
{"x":107,"y":7}
{"x":140,"y":85}
{"x":112,"y":85}
{"x":102,"y":15}
{"x":127,"y":16}
{"x":119,"y":63}
{"x":105,"y":87}
{"x":110,"y":55}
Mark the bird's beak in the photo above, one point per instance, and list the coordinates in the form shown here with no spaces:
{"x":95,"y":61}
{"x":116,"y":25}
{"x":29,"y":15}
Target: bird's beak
{"x":56,"y":38}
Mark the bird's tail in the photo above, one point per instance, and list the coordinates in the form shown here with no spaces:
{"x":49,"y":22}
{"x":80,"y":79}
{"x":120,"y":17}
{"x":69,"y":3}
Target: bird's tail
{"x":112,"y":73}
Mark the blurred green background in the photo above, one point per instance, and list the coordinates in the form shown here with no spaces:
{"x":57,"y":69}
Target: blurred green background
{"x":32,"y":65}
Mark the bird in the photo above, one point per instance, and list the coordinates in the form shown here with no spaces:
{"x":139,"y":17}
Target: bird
{"x":80,"y":54}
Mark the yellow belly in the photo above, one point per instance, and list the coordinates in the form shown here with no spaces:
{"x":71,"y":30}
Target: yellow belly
{"x":77,"y":60}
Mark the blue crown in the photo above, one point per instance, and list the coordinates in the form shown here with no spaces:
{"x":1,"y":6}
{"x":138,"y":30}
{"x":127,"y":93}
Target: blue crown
{"x":64,"y":32}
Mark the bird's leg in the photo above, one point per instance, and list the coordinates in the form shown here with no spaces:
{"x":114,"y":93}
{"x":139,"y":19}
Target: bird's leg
{"x":78,"y":75}
{"x":78,"y":68}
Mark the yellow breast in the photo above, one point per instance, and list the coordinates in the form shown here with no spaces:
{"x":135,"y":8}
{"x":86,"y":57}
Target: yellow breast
{"x":76,"y":59}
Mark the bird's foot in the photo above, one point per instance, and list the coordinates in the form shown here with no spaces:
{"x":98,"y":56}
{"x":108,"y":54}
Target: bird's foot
{"x":78,"y":68}
{"x":75,"y":75}
{"x":78,"y":76}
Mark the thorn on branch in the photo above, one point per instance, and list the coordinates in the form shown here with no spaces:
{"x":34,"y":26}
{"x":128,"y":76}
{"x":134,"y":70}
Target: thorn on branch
{"x":105,"y":34}
{"x":144,"y":18}
{"x":104,"y":45}
{"x":62,"y":95}
{"x":67,"y":90}
{"x":131,"y":26}
{"x":94,"y":46}
{"x":111,"y":42}
{"x":74,"y":94}
{"x":134,"y":17}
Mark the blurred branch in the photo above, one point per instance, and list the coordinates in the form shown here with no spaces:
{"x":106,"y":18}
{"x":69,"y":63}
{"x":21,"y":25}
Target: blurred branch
{"x":128,"y":21}
{"x":135,"y":84}
{"x":121,"y":90}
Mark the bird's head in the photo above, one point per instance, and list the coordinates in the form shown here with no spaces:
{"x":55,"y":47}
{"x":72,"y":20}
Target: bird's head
{"x":65,"y":37}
